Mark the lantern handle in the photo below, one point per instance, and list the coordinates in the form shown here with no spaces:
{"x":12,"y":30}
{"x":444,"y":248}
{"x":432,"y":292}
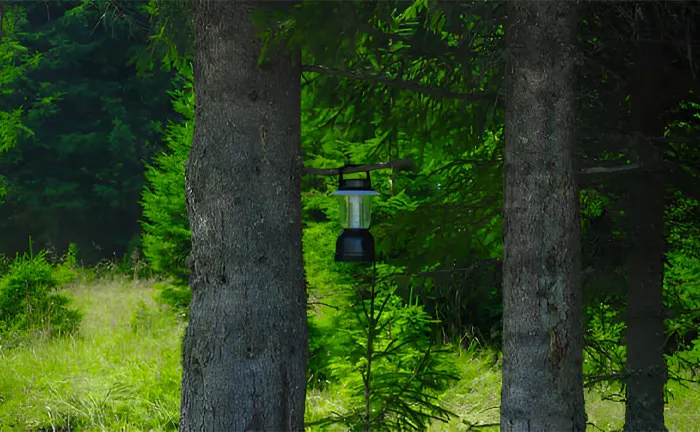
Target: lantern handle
{"x":340,"y":173}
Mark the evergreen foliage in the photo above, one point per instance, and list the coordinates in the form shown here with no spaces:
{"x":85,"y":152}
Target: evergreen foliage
{"x":166,"y":237}
{"x":383,"y":353}
{"x":76,"y":125}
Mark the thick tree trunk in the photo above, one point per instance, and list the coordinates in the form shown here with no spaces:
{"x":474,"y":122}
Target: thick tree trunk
{"x":245,"y":349}
{"x":542,"y":311}
{"x":645,"y":338}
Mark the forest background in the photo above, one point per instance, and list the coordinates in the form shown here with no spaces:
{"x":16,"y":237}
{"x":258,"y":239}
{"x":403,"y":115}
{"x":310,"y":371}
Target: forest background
{"x":96,"y":121}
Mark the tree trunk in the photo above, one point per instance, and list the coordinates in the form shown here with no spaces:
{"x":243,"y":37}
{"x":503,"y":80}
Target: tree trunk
{"x":542,"y":310}
{"x":644,"y":337}
{"x":245,"y":349}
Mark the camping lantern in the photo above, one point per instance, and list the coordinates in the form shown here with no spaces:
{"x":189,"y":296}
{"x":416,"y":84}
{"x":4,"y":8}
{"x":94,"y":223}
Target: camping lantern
{"x":355,"y":243}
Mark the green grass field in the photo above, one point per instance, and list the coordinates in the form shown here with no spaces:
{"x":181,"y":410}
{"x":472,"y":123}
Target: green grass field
{"x":121,"y":372}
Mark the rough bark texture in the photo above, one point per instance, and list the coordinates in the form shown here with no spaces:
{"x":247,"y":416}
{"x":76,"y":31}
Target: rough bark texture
{"x":245,"y":349}
{"x":645,"y":338}
{"x":542,"y":311}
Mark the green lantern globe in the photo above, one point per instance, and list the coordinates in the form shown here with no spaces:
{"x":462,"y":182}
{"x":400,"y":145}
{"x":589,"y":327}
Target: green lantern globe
{"x":356,"y":243}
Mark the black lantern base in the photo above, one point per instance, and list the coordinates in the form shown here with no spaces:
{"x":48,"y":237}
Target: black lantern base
{"x":355,"y":245}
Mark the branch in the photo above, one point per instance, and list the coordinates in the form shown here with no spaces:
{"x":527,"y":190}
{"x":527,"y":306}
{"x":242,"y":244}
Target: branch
{"x":397,"y":164}
{"x":592,"y":380}
{"x":413,"y":86}
{"x":465,"y":270}
{"x":596,"y":426}
{"x":408,"y":165}
{"x":610,"y":169}
{"x":312,"y":303}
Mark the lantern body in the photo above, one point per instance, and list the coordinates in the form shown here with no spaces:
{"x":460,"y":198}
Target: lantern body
{"x":356,"y":243}
{"x":355,"y":208}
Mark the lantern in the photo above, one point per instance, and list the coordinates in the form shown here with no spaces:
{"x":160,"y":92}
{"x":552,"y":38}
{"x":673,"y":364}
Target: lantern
{"x":355,"y":243}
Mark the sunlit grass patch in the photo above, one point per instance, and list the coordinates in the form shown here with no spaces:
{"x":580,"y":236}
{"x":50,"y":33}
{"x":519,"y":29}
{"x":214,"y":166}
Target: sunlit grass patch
{"x":682,"y":411}
{"x":323,"y":403}
{"x":475,"y":399}
{"x":122,"y":370}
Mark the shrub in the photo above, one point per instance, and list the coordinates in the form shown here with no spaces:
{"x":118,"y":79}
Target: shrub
{"x":29,"y":298}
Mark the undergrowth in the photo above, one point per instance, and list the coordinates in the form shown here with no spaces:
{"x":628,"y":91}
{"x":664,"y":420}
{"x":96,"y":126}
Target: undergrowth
{"x":121,"y":371}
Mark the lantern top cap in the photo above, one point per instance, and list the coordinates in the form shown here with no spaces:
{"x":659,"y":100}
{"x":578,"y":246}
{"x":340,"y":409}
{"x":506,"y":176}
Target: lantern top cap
{"x":357,"y":186}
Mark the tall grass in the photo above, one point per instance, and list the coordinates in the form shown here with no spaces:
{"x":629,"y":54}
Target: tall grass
{"x":121,"y":372}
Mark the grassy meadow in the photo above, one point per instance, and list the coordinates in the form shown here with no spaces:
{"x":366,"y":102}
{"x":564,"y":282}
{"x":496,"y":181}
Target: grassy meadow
{"x":121,"y":372}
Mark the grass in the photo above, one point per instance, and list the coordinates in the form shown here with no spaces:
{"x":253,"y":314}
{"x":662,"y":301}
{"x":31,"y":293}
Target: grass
{"x":121,"y":372}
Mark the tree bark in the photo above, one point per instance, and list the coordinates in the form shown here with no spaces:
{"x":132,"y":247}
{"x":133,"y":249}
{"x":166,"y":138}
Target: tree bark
{"x":245,"y":349}
{"x":645,"y":334}
{"x":542,"y":311}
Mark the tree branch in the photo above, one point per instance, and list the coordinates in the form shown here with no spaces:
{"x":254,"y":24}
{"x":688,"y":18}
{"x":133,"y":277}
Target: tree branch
{"x":413,"y":86}
{"x":596,"y":426}
{"x":465,"y":270}
{"x":610,"y":169}
{"x":408,"y":165}
{"x":397,"y":164}
{"x":313,"y":303}
{"x":592,"y":380}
